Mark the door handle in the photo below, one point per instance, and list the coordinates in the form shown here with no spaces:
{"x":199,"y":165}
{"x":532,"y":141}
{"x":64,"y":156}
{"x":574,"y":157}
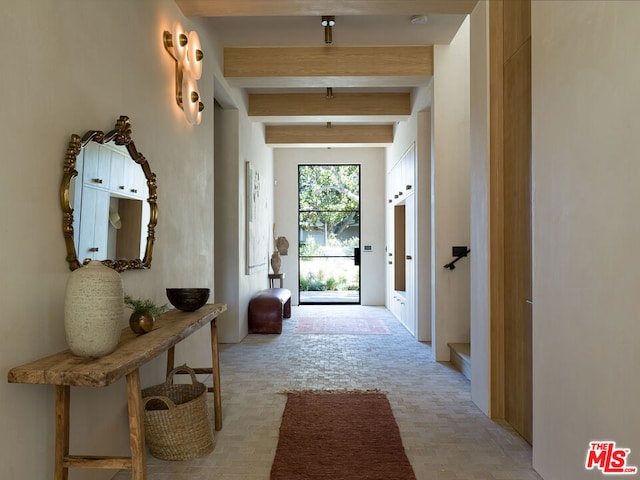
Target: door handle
{"x":530,"y":302}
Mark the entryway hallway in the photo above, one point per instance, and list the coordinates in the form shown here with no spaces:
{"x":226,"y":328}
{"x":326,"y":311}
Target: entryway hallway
{"x":445,"y":435}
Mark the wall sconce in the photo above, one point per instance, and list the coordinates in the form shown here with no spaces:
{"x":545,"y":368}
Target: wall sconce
{"x":184,"y":48}
{"x":328,"y":21}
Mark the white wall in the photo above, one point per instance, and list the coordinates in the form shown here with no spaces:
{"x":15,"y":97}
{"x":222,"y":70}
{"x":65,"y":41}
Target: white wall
{"x":450,"y":192}
{"x":68,"y":69}
{"x":253,"y":149}
{"x":238,"y":140}
{"x":423,"y":227}
{"x":479,"y":175}
{"x":372,"y":223}
{"x":227,"y":204}
{"x":586,"y":174}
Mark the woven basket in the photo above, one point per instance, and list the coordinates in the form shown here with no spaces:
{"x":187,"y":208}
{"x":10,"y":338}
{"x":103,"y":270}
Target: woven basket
{"x":176,"y":419}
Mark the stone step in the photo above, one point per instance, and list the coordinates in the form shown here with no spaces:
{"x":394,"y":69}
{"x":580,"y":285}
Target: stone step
{"x":461,"y":357}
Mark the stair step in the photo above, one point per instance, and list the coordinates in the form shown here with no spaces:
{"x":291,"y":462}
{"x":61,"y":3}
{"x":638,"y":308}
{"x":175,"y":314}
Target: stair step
{"x":461,"y":357}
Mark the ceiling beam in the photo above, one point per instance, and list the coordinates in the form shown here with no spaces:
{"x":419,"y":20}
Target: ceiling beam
{"x":321,"y":134}
{"x":340,"y":104}
{"x":328,"y":62}
{"x":286,"y":8}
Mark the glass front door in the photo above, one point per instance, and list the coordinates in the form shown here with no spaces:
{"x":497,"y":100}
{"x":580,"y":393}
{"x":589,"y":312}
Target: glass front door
{"x":329,"y":233}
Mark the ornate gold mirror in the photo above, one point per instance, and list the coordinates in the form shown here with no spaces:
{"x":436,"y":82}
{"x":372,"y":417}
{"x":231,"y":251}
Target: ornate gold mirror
{"x":111,"y":189}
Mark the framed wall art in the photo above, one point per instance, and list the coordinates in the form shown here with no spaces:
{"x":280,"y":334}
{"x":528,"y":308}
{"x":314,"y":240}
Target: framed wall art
{"x":258,"y":233}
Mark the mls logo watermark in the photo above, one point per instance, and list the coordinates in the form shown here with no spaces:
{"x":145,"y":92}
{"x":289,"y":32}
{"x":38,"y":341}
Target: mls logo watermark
{"x":609,"y":459}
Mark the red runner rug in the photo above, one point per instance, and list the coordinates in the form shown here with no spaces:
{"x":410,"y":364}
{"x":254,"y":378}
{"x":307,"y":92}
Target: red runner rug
{"x":341,"y":326}
{"x":334,"y":436}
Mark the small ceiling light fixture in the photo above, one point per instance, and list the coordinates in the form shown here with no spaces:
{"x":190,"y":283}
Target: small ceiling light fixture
{"x":329,"y":93}
{"x":186,"y":50}
{"x":419,"y":19}
{"x":328,"y":21}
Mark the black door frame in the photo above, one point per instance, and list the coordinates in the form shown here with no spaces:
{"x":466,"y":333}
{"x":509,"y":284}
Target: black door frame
{"x":355,"y":256}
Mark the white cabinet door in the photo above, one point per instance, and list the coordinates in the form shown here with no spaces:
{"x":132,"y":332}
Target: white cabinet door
{"x":409,"y":171}
{"x":136,"y":183}
{"x":94,"y":224}
{"x":398,"y":306}
{"x":97,"y":165}
{"x":117,"y":183}
{"x":398,"y":190}
{"x":127,"y":177}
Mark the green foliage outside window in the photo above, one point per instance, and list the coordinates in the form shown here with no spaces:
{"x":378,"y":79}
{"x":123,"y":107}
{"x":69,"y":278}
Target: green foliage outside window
{"x":336,"y":188}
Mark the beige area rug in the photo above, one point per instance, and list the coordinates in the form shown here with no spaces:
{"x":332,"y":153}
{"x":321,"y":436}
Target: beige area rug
{"x":341,"y":326}
{"x":337,"y":435}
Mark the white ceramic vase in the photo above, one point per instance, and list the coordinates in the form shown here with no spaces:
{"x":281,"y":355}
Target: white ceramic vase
{"x":93,"y":310}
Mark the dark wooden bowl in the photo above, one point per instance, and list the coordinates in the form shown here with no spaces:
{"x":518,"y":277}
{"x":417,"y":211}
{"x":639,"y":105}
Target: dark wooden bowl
{"x":188,"y":299}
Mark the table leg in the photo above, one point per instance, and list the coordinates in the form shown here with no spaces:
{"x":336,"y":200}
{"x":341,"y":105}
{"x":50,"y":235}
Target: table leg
{"x":136,"y":427}
{"x":170,"y":359}
{"x":215,"y":370}
{"x":63,"y":395}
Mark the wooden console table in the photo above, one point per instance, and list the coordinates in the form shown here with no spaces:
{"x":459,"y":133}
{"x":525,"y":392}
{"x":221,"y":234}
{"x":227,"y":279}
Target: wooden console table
{"x":65,"y":370}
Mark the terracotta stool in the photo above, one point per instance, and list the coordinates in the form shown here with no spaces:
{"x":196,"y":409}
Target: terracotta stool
{"x":267,"y":308}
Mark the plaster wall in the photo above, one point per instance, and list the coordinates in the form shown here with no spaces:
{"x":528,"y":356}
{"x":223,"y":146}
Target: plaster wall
{"x":450,"y":193}
{"x":423,"y":227}
{"x":479,"y":205}
{"x":237,"y":141}
{"x":227,"y":248}
{"x":251,"y":149}
{"x":372,"y":205}
{"x":585,"y":232}
{"x":68,"y":69}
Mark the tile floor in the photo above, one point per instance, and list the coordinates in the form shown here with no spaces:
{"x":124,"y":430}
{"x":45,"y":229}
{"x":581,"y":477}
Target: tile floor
{"x":445,"y":435}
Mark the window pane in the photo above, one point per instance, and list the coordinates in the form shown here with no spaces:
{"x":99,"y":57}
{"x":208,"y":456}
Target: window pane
{"x":330,"y":187}
{"x":329,"y":233}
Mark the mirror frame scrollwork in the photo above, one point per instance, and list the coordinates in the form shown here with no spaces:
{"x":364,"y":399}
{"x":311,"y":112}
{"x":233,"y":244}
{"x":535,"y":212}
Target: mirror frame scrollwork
{"x":120,"y":135}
